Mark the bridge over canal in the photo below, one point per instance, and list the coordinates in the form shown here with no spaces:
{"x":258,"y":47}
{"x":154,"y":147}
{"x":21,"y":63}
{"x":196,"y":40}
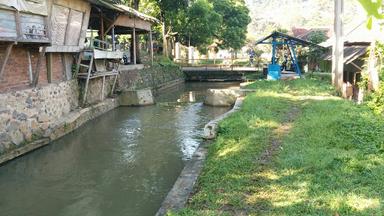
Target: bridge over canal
{"x":219,"y":72}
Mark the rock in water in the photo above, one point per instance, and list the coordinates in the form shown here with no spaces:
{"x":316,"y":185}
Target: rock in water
{"x":137,"y":98}
{"x":221,"y":97}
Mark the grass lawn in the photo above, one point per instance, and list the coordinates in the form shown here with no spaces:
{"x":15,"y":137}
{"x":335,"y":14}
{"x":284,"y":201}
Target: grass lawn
{"x":294,"y":149}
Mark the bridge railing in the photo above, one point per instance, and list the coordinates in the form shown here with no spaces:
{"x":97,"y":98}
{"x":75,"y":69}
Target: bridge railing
{"x":257,"y":64}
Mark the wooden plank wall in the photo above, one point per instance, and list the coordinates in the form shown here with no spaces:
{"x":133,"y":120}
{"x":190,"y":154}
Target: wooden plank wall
{"x":7,"y":24}
{"x":70,"y":19}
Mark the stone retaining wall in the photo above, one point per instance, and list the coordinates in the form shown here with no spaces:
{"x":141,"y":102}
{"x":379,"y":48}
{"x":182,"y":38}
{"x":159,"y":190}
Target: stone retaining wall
{"x":27,"y":115}
{"x":154,"y":77}
{"x":95,"y":86}
{"x":34,"y":117}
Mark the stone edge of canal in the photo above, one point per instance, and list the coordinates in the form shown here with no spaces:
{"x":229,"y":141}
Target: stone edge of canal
{"x":178,"y":196}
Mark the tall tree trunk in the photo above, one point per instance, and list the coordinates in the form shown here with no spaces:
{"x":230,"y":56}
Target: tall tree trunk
{"x":165,"y":41}
{"x":135,"y":5}
{"x":372,"y":69}
{"x":338,"y":47}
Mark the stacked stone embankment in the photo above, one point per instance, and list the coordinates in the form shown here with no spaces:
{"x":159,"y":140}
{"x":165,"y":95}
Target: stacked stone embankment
{"x":33,"y":117}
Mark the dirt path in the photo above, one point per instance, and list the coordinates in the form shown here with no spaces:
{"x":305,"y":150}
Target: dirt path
{"x":278,"y":134}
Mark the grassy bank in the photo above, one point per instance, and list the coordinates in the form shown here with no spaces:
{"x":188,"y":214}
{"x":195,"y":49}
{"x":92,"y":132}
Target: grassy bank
{"x":294,"y":149}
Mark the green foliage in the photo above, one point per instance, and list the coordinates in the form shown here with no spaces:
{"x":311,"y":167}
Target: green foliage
{"x":375,"y":100}
{"x":235,"y":17}
{"x":199,"y":24}
{"x":328,"y":158}
{"x":313,"y":55}
{"x":373,"y":9}
{"x":164,"y":61}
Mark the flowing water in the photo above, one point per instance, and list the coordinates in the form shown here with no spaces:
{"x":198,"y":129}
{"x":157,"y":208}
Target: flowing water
{"x":122,"y":163}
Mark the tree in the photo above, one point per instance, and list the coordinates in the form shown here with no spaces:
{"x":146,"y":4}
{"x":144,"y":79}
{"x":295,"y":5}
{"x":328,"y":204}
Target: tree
{"x":233,"y":30}
{"x":198,"y":25}
{"x":315,"y":53}
{"x":374,"y":11}
{"x":169,"y":13}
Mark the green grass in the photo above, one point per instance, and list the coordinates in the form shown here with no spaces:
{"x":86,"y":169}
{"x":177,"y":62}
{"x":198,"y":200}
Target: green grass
{"x":330,"y":161}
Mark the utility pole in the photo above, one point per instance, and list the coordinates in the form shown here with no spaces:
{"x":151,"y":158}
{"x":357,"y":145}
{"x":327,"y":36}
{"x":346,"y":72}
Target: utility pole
{"x":338,"y":46}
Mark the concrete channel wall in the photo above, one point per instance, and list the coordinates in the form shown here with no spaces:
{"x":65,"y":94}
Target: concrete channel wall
{"x":178,"y":196}
{"x":34,"y":117}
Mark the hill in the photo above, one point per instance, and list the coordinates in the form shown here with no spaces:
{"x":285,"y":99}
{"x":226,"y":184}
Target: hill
{"x":268,"y":15}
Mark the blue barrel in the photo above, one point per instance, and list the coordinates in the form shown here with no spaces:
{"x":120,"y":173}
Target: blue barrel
{"x":274,"y":72}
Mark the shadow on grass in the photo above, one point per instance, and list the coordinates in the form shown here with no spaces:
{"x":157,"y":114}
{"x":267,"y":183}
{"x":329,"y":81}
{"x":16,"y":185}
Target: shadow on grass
{"x":331,"y":161}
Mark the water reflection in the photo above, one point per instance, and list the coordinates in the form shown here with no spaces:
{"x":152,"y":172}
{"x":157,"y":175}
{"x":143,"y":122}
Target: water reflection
{"x":122,"y":163}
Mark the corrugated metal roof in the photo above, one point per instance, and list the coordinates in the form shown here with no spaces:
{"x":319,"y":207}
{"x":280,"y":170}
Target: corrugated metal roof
{"x":125,"y":10}
{"x":351,"y":53}
{"x":136,"y":13}
{"x":357,"y":34}
{"x":285,"y":36}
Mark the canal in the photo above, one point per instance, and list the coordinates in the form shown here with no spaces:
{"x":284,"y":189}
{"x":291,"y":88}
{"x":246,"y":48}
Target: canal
{"x":122,"y":163}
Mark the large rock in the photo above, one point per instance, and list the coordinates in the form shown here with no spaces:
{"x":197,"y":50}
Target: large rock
{"x":221,"y":97}
{"x":137,"y":98}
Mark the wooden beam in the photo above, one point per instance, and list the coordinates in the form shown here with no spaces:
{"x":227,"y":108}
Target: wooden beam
{"x":30,"y":70}
{"x":18,"y":25}
{"x":87,"y":81}
{"x":37,"y":70}
{"x":6,"y":57}
{"x":110,"y":27}
{"x":113,"y":39}
{"x":101,"y":27}
{"x":49,"y":67}
{"x":68,"y":25}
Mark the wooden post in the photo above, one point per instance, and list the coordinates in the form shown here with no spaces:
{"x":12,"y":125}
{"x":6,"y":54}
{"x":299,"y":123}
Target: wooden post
{"x":151,"y":44}
{"x":113,"y":39}
{"x":338,"y":46}
{"x":103,"y":89}
{"x":134,"y":45}
{"x":101,"y":27}
{"x":49,"y":67}
{"x":30,"y":70}
{"x":18,"y":25}
{"x":87,"y":81}
{"x":37,"y":70}
{"x":6,"y":57}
